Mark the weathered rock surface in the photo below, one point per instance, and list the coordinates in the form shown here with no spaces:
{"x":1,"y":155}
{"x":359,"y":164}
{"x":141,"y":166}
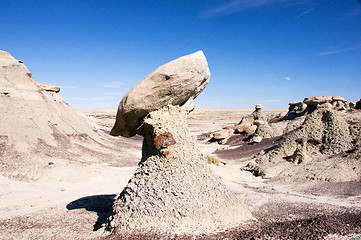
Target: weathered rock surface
{"x":250,"y":129}
{"x":358,"y":104}
{"x":257,"y":114}
{"x":258,"y":106}
{"x":263,"y":131}
{"x":315,"y":100}
{"x":29,"y":115}
{"x":49,"y":87}
{"x":297,"y":107}
{"x":176,"y":189}
{"x":42,"y":137}
{"x":240,"y":128}
{"x":175,"y":83}
{"x":339,"y":103}
{"x":324,"y":132}
{"x":223,"y":135}
{"x":256,"y":139}
{"x":310,"y":104}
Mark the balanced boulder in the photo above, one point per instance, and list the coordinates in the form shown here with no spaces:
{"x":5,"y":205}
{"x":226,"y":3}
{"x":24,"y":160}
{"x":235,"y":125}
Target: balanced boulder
{"x":176,"y":83}
{"x":317,"y":100}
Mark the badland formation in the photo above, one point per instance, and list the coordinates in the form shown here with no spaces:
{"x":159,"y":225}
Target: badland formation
{"x":159,"y":168}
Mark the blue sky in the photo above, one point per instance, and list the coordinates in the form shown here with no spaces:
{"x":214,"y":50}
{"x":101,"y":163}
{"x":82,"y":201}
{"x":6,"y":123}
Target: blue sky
{"x":270,"y":52}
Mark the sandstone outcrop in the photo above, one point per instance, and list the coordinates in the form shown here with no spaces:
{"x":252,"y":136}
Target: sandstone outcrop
{"x":175,"y":83}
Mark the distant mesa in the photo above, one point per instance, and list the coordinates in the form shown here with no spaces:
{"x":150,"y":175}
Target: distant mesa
{"x":175,"y":83}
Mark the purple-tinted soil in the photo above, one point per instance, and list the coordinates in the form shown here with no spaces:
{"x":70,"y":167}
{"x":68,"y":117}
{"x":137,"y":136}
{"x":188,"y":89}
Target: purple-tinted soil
{"x":245,"y":149}
{"x":310,"y":228}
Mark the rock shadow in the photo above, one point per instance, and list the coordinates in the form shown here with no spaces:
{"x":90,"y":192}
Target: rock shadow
{"x":101,"y":204}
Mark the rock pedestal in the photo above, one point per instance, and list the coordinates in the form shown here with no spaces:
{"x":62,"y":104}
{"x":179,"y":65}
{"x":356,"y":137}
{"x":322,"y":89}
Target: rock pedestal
{"x":173,"y":188}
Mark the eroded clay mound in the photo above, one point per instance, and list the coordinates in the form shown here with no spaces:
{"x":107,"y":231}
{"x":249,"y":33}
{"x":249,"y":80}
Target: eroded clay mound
{"x":39,"y":132}
{"x":173,"y":188}
{"x":319,"y":149}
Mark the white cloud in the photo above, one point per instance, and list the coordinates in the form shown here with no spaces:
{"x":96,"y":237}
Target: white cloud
{"x":288,"y":78}
{"x":304,"y":13}
{"x":238,"y":5}
{"x":113,"y":85}
{"x":340,"y":50}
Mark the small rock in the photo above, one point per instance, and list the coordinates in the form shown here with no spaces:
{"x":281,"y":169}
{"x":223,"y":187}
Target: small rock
{"x":49,"y":87}
{"x":164,"y":140}
{"x":257,"y":139}
{"x":241,"y":127}
{"x":251,"y":129}
{"x":4,"y":92}
{"x":258,"y":106}
{"x":223,"y":134}
{"x":297,"y":107}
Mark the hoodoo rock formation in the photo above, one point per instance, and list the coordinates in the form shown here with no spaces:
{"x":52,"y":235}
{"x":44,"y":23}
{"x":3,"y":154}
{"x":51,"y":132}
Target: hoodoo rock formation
{"x":173,"y":188}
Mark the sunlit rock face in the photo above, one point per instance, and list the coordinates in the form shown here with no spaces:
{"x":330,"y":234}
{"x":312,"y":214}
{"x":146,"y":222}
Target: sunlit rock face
{"x":175,"y":83}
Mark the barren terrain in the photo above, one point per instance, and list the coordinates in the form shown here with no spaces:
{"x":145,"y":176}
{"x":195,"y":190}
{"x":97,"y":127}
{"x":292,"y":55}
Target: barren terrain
{"x":75,"y":203}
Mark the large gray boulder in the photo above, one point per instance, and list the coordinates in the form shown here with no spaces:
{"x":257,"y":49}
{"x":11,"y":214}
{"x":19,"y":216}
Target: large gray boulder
{"x":176,"y":83}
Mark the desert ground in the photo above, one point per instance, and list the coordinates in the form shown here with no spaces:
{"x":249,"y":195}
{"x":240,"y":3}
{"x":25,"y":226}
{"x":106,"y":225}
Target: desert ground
{"x":73,"y":202}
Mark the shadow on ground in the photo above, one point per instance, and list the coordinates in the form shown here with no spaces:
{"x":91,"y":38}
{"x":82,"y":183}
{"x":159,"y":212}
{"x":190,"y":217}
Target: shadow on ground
{"x":101,"y":204}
